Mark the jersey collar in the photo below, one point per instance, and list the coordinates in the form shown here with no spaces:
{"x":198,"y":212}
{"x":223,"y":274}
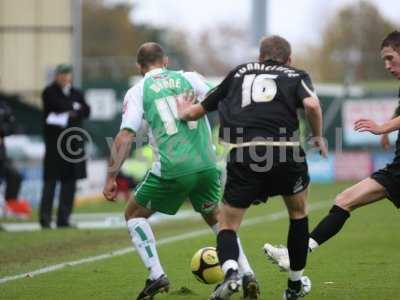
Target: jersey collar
{"x":272,"y":61}
{"x":154,"y":72}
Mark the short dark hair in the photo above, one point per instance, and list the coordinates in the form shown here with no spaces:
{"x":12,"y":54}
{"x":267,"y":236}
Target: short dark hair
{"x":276,"y":48}
{"x":149,"y":53}
{"x":392,"y":40}
{"x":63,"y":69}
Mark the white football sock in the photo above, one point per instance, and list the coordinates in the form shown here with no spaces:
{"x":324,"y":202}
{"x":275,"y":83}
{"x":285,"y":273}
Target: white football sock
{"x":312,"y":244}
{"x":215,"y":228}
{"x":143,"y":239}
{"x":228,"y":265}
{"x":244,"y":266}
{"x":295,"y":275}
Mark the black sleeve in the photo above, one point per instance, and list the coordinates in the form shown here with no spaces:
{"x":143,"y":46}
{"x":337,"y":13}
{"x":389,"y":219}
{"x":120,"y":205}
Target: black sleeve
{"x":210,"y":103}
{"x":305,"y":89}
{"x":52,"y":102}
{"x":7,"y":121}
{"x":84,"y":110}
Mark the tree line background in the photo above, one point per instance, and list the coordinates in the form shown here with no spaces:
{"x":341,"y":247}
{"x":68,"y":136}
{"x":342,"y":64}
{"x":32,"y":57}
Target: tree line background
{"x":347,"y":51}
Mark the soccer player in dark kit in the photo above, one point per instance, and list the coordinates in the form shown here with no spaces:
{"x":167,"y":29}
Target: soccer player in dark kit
{"x":384,"y":183}
{"x":257,"y":104}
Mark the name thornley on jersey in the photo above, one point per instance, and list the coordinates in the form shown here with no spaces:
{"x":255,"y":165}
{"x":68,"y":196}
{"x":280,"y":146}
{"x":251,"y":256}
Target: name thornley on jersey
{"x":262,"y":67}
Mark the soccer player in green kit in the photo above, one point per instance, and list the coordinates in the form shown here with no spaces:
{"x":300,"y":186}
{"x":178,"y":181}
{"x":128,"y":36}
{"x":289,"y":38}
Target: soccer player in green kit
{"x":184,"y":167}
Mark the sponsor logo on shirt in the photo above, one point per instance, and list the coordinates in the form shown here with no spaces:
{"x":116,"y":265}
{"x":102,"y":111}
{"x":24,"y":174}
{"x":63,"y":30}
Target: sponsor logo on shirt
{"x":160,"y":76}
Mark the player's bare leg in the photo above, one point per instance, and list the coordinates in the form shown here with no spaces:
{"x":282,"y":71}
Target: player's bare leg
{"x":250,"y":284}
{"x":297,"y":244}
{"x":244,"y":265}
{"x":363,"y":193}
{"x":144,"y":241}
{"x":230,"y":219}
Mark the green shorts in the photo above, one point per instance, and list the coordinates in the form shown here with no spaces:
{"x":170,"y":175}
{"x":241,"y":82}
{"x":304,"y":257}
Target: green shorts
{"x":203,"y":189}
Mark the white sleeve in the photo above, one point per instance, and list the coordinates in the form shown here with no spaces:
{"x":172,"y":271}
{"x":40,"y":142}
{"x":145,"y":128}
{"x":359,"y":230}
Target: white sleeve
{"x":199,"y":84}
{"x":132,"y":111}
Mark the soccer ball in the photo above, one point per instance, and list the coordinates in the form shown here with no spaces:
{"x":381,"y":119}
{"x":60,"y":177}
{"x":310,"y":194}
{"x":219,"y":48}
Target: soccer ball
{"x":205,"y":266}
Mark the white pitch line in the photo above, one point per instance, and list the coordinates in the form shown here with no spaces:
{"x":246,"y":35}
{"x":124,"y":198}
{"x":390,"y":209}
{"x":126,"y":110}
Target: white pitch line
{"x":99,"y":221}
{"x":168,"y":240}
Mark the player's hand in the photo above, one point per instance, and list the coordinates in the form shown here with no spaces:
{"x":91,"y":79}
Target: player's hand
{"x":184,"y":103}
{"x":319,"y":142}
{"x":365,"y":125}
{"x":385,"y":142}
{"x":110,"y":189}
{"x":73,"y":114}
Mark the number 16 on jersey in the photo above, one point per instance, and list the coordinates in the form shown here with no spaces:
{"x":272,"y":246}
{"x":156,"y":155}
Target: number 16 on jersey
{"x":259,"y":88}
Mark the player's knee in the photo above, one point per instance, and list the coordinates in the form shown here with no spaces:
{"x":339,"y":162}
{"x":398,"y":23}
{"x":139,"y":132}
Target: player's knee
{"x":344,"y":201}
{"x":298,"y":211}
{"x":134,"y":214}
{"x":298,"y":214}
{"x":128,"y":214}
{"x":228,"y":226}
{"x":135,"y":211}
{"x":211,"y":218}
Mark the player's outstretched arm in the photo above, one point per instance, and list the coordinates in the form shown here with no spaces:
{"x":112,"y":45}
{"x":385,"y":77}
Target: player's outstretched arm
{"x":366,"y":125}
{"x":385,"y":142}
{"x":313,"y":113}
{"x":189,"y":111}
{"x":119,"y":152}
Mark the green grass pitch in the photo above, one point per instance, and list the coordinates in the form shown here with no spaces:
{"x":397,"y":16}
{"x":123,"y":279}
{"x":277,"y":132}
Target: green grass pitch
{"x":362,"y":262}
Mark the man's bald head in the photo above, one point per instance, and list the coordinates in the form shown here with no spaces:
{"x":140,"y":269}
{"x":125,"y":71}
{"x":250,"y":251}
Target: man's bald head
{"x":150,"y":54}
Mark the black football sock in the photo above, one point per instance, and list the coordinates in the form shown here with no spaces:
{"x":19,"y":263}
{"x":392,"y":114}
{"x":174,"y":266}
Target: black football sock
{"x":294,"y":285}
{"x":330,"y":225}
{"x":297,"y":243}
{"x":228,"y":250}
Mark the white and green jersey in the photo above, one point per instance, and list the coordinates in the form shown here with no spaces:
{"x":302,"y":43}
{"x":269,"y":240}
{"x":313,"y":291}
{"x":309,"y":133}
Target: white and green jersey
{"x":180,"y":147}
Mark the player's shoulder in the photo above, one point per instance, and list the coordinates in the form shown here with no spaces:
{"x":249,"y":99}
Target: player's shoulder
{"x":52,"y":87}
{"x":301,"y":72}
{"x":135,"y":90}
{"x":193,"y":75}
{"x":291,"y":73}
{"x":243,"y":66}
{"x":237,"y":71}
{"x":175,"y":72}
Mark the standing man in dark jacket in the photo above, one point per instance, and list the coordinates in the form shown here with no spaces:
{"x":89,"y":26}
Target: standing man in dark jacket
{"x":64,"y":109}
